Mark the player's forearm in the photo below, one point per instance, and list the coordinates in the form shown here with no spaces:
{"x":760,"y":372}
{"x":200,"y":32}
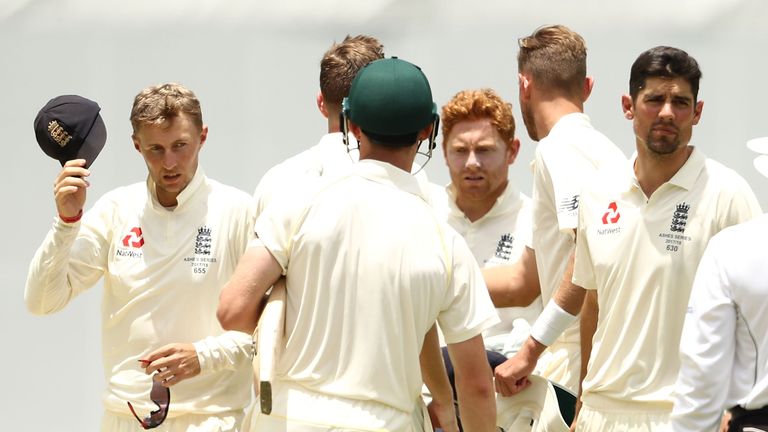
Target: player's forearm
{"x":433,"y":369}
{"x":474,"y":385}
{"x":507,"y":289}
{"x":587,"y":329}
{"x":477,"y":402}
{"x":569,"y":297}
{"x":237,"y":316}
{"x":241,"y":299}
{"x":516,"y":284}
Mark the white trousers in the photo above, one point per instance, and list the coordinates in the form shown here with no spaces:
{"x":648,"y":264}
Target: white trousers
{"x":297,"y":409}
{"x":227,"y":422}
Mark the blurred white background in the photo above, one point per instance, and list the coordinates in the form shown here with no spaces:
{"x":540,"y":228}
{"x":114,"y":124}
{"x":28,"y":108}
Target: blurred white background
{"x":254,"y":65}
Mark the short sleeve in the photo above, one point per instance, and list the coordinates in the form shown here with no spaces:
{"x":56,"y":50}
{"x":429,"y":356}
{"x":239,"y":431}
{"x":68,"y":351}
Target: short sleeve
{"x":468,"y":309}
{"x":565,"y":173}
{"x":583,"y":269}
{"x":277,"y":226}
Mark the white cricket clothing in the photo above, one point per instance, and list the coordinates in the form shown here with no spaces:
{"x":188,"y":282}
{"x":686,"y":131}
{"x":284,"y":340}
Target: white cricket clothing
{"x":303,"y":410}
{"x":725,"y":335}
{"x":327,"y":158}
{"x":497,"y":238}
{"x":162,"y":271}
{"x":369,"y":268}
{"x":221,"y":422}
{"x":592,"y":420}
{"x":566,"y":159}
{"x":640,"y":254}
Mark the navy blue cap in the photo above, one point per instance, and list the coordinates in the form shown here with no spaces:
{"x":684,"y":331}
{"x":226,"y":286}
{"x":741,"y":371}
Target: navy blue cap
{"x":70,"y":127}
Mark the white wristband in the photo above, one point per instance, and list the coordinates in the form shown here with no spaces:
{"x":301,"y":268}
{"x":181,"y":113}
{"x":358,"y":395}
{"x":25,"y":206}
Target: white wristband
{"x":551,"y":323}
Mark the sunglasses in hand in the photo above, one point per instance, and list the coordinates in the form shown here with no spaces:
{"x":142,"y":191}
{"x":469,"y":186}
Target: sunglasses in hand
{"x":161,"y":396}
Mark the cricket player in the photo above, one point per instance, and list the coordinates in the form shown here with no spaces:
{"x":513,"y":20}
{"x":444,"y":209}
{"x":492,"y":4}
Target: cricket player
{"x":553,"y":88}
{"x":368,"y":269}
{"x":164,"y":248}
{"x":480,"y":202}
{"x":333,"y":157}
{"x":642,"y":231}
{"x":330,"y":156}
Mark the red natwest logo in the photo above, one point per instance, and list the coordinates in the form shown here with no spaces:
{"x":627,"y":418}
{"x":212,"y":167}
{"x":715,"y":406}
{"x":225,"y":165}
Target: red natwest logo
{"x":134,"y":238}
{"x":612,"y":215}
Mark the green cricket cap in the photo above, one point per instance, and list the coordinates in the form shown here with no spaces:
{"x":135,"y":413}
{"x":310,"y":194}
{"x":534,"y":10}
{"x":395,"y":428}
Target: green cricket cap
{"x":390,"y":97}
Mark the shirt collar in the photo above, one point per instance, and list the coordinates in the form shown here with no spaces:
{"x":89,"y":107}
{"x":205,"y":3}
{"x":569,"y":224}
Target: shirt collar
{"x":332,"y":156}
{"x":388,"y":174}
{"x":508,"y":200}
{"x":684,"y":178}
{"x":568,"y":121}
{"x":184,"y":196}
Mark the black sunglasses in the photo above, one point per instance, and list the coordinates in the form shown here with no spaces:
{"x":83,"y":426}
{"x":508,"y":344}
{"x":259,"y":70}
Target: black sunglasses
{"x":161,"y":396}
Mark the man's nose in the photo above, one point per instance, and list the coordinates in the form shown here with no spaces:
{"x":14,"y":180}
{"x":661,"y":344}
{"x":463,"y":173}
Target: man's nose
{"x":169,"y":160}
{"x":666,"y":110}
{"x":472,"y":160}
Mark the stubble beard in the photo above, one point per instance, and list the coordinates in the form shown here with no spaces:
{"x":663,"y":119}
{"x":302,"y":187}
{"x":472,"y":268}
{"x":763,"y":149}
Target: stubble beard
{"x":662,"y":146}
{"x":530,"y":123}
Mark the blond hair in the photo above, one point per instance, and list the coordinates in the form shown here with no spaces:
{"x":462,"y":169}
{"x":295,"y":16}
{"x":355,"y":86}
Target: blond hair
{"x":341,"y":63}
{"x":157,"y":104}
{"x":556,"y":57}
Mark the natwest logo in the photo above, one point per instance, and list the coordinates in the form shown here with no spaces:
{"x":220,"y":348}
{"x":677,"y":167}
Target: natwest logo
{"x":612,"y":215}
{"x":134,"y":238}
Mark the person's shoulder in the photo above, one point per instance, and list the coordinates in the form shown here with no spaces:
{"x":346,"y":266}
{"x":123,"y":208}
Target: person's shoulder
{"x":526,"y":202}
{"x":299,"y":166}
{"x":737,"y":237}
{"x":298,"y":163}
{"x":575,"y":137}
{"x":719,"y":172}
{"x":723,"y":181}
{"x":609,"y":180}
{"x":305,"y":162}
{"x":437,"y":196}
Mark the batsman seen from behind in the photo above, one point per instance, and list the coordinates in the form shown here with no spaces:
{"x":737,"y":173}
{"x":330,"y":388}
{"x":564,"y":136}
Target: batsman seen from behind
{"x":369,"y":270}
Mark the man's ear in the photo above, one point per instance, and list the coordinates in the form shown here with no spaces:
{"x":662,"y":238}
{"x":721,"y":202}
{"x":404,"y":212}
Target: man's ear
{"x":355,"y":131}
{"x":424,"y":133}
{"x":203,"y":135}
{"x":628,"y":107}
{"x":524,"y":84}
{"x":513,"y":148}
{"x":697,"y":111}
{"x":321,"y":104}
{"x":589,"y":83}
{"x":136,"y":143}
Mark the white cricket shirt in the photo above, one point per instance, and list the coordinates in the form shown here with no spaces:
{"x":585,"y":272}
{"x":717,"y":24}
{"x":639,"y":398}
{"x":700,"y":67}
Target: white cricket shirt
{"x":369,"y":268}
{"x":566,"y":160}
{"x":497,"y":238}
{"x":725,"y":336}
{"x":162,"y":271}
{"x":640,"y":254}
{"x":329,"y":157}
